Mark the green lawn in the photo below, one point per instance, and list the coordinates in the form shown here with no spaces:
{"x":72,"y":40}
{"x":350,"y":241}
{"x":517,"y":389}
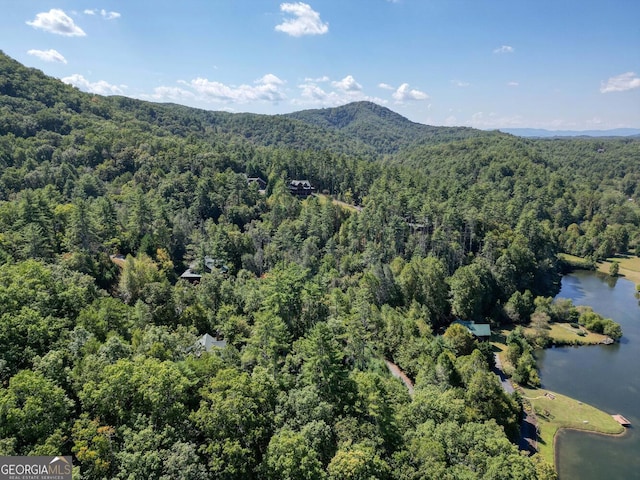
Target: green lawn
{"x":557,"y":411}
{"x":325,"y":198}
{"x":629,"y":267}
{"x":560,"y":334}
{"x":564,"y":333}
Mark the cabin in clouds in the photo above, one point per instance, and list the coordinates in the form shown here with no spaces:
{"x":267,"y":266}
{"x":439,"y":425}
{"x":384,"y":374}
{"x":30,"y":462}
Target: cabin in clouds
{"x":301,"y":188}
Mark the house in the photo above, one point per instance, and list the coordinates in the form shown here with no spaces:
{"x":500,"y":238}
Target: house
{"x":482,"y":331}
{"x":301,"y":188}
{"x":192,"y":275}
{"x":262,"y":185}
{"x":208,"y":342}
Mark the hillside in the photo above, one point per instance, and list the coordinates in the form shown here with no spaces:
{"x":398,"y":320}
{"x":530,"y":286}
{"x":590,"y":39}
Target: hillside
{"x":386,"y":131}
{"x":106,"y":201}
{"x":363,"y":129}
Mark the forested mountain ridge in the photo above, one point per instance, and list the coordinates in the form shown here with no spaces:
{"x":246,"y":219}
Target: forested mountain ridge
{"x":98,"y":355}
{"x":361,"y":128}
{"x":385,"y":130}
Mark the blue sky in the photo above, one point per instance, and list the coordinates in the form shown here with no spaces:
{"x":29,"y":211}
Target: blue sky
{"x":561,"y":64}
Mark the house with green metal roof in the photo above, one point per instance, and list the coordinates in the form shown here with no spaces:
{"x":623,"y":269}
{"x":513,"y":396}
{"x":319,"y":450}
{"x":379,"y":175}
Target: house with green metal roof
{"x":481,"y":331}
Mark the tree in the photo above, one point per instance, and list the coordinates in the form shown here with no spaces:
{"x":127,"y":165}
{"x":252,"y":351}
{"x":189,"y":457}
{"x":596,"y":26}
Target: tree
{"x":136,"y":274}
{"x":358,"y":462}
{"x":290,"y":457}
{"x":32,"y":408}
{"x":236,"y":418}
{"x":424,"y":280}
{"x":461,"y":341}
{"x":471,"y":291}
{"x":93,"y":446}
{"x":269,"y":342}
{"x":143,"y":386}
{"x":614,"y":268}
{"x":323,"y":366}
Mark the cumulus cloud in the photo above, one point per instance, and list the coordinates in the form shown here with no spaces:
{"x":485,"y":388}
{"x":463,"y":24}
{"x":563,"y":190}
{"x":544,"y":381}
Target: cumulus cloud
{"x":109,"y":15}
{"x":322,"y":79}
{"x":504,"y":49}
{"x":304,"y":20}
{"x":56,"y":21}
{"x":404,"y":94}
{"x":100,"y":87}
{"x":269,"y":88}
{"x":103,"y":13}
{"x":621,"y":83}
{"x":170,"y":94}
{"x":48,"y":55}
{"x":333,"y":93}
{"x":385,"y":86}
{"x":347,"y":84}
{"x":513,"y":84}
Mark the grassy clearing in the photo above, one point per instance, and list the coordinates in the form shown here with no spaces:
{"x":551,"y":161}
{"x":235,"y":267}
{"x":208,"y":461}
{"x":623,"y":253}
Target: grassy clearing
{"x":576,"y":262}
{"x":555,"y":411}
{"x":629,"y":267}
{"x":565,"y":334}
{"x":559,"y":333}
{"x":325,"y":198}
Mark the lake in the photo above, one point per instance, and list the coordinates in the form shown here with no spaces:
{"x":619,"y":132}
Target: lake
{"x":607,"y":377}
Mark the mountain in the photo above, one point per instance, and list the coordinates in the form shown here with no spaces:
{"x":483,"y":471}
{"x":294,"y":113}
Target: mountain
{"x":542,"y":133}
{"x":381,"y":128}
{"x":362,"y":129}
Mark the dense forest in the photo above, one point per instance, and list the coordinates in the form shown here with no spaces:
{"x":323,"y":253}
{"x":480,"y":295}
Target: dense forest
{"x":106,"y":201}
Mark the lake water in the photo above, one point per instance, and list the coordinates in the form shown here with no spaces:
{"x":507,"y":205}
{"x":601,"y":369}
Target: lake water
{"x":607,"y":377}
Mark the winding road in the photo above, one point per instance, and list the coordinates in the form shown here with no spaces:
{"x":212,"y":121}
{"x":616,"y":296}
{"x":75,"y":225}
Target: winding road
{"x":529,"y":426}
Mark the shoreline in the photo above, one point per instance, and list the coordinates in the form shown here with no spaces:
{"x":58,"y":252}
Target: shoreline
{"x":588,"y":432}
{"x":554,"y":412}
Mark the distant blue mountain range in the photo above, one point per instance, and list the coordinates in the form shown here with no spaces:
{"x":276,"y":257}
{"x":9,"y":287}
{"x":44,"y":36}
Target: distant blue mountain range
{"x":539,"y":132}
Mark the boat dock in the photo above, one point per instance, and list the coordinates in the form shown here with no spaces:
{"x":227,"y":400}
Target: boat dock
{"x":621,"y":420}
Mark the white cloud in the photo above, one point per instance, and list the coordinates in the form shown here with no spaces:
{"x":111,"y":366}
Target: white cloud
{"x":450,"y":121}
{"x":109,"y":15}
{"x":513,"y":84}
{"x":347,"y":84}
{"x":56,"y":21}
{"x":305,"y":20}
{"x":268,"y":88}
{"x":100,"y":87}
{"x":105,"y":14}
{"x":48,"y":55}
{"x":317,"y":80}
{"x":170,"y":94}
{"x":621,"y":83}
{"x":385,"y":86}
{"x":461,"y":84}
{"x":344,"y":91}
{"x":404,"y":93}
{"x":504,"y":49}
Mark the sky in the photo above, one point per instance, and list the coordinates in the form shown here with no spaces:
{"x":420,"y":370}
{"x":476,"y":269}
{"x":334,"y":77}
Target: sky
{"x":554,"y":64}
